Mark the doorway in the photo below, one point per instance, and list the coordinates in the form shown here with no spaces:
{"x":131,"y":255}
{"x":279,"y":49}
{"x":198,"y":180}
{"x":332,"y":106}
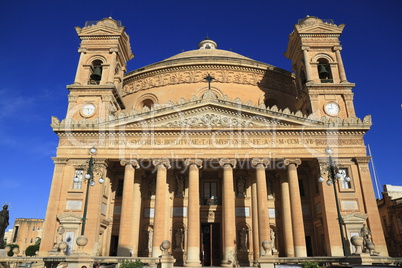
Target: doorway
{"x":210,"y":244}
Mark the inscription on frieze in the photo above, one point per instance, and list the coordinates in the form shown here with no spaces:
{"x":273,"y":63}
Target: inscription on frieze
{"x":212,"y":140}
{"x":235,"y":142}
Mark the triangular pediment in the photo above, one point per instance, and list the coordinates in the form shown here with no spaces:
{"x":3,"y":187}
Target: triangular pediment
{"x":99,"y":30}
{"x":213,"y":113}
{"x":106,"y":26}
{"x":321,"y":28}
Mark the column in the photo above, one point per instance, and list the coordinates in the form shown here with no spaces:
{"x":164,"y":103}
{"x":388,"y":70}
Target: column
{"x":228,"y":213}
{"x":262,"y":197}
{"x":135,"y":227}
{"x":296,"y":207}
{"x":126,"y":216}
{"x":307,"y":63}
{"x":160,"y":207}
{"x":193,"y":229}
{"x":256,"y":240}
{"x":287,"y":219}
{"x":80,"y":68}
{"x":342,"y":74}
{"x":112,"y":66}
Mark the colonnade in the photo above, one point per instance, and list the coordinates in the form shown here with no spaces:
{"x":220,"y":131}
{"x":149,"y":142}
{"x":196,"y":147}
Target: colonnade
{"x":292,"y":218}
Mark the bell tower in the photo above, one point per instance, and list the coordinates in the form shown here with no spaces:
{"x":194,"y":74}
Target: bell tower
{"x":315,"y":51}
{"x":104,"y":52}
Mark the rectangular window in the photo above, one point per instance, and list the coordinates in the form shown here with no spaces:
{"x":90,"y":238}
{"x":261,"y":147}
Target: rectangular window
{"x":31,"y":241}
{"x":343,"y":182}
{"x":15,"y":234}
{"x":210,"y":193}
{"x":77,"y":181}
{"x":33,"y":228}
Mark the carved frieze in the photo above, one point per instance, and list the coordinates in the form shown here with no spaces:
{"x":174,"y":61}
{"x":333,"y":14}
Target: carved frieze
{"x":173,"y":76}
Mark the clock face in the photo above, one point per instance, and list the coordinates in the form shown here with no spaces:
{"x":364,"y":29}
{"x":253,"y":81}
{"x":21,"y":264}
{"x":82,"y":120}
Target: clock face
{"x":88,"y":110}
{"x":331,"y":108}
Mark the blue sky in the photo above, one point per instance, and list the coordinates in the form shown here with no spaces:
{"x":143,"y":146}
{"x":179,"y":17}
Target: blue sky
{"x":39,"y":58}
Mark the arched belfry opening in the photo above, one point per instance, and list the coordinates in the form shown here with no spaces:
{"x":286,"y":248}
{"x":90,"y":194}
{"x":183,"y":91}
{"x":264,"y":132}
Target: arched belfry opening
{"x":96,"y":75}
{"x":324,"y":71}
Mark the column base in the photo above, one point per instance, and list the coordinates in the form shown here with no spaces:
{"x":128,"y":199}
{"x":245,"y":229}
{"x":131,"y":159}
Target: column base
{"x":193,"y":264}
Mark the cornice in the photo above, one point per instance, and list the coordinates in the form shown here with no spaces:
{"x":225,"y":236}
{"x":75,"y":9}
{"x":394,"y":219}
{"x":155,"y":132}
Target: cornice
{"x":166,"y":133}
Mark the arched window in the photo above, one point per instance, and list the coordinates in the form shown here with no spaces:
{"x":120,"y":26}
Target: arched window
{"x":324,"y":71}
{"x":148,"y":103}
{"x":148,"y":100}
{"x":96,"y":74}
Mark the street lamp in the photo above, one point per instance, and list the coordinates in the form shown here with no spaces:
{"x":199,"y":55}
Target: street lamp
{"x":89,"y":177}
{"x":334,"y":174}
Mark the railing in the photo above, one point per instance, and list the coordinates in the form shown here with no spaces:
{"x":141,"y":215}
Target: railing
{"x":329,"y":21}
{"x":53,"y":261}
{"x":94,"y":22}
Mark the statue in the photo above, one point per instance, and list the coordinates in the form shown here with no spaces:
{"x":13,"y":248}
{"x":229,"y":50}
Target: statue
{"x":241,"y":191}
{"x":4,"y":217}
{"x":243,"y":239}
{"x":179,"y":185}
{"x":179,"y":239}
{"x":150,"y":238}
{"x":366,"y":234}
{"x":272,"y":236}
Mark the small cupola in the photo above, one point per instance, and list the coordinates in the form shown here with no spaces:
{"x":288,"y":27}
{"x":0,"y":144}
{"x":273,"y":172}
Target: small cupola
{"x":207,"y":44}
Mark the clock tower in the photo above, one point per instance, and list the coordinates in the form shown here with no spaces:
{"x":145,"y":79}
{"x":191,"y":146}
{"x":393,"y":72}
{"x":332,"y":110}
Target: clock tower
{"x":104,"y":52}
{"x":322,"y":87}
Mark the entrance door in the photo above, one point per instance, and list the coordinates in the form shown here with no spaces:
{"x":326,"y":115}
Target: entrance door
{"x":210,"y":244}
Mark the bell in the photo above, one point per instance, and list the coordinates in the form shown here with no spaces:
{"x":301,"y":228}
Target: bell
{"x":97,"y":74}
{"x":322,"y":71}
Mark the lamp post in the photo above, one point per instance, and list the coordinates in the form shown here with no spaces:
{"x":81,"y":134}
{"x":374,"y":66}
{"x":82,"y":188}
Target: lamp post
{"x":89,"y":176}
{"x":333,"y":177}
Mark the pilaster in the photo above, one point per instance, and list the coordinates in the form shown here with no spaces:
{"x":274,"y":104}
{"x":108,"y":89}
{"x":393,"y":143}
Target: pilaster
{"x":50,"y":223}
{"x":371,"y":208}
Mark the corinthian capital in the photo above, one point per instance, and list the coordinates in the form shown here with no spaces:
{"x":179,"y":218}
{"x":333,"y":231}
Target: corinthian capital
{"x":161,"y":161}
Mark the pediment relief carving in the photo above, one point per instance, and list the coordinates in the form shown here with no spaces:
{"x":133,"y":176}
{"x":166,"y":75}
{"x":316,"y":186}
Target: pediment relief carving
{"x":219,"y":120}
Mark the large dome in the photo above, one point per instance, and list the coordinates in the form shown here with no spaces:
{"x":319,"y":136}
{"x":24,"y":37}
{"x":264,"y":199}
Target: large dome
{"x":207,"y":53}
{"x":182,"y":76}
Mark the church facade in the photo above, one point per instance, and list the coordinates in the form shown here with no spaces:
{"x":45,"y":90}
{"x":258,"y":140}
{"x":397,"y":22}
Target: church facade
{"x":216,"y":152}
